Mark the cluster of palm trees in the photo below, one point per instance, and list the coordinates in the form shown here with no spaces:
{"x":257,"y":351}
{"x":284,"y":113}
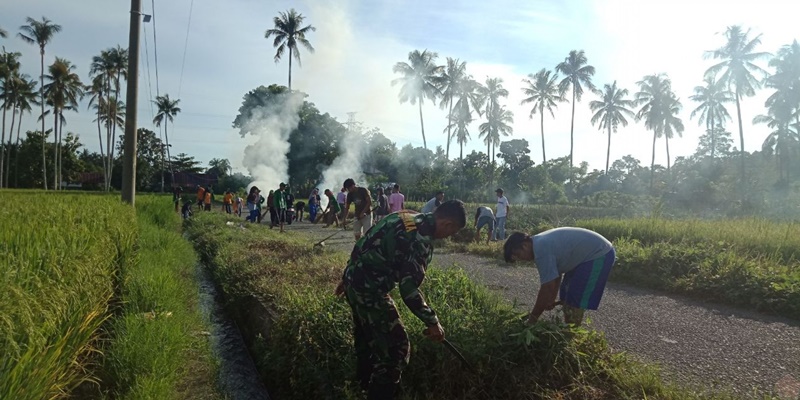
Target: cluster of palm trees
{"x":61,"y":89}
{"x":735,"y":76}
{"x":462,"y":95}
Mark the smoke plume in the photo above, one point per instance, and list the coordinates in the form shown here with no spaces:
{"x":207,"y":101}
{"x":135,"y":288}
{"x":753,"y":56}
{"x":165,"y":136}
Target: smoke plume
{"x":348,"y":165}
{"x":266,"y":159}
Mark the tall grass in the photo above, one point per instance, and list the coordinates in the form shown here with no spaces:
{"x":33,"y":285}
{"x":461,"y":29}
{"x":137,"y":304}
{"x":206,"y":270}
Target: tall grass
{"x":280,"y":289}
{"x":97,"y":301}
{"x":60,"y":254}
{"x":158,"y":347}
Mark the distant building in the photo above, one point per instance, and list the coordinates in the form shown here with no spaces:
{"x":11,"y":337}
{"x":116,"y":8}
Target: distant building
{"x":189,"y":179}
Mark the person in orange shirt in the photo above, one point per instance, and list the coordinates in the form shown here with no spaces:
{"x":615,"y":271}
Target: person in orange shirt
{"x":227,"y":201}
{"x":208,"y":197}
{"x":201,"y":195}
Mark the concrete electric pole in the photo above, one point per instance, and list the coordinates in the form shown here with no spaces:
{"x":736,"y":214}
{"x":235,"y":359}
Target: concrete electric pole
{"x":129,"y":155}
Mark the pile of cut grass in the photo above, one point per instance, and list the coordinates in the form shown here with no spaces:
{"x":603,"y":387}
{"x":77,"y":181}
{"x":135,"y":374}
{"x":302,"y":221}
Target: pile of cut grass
{"x":300,"y":334}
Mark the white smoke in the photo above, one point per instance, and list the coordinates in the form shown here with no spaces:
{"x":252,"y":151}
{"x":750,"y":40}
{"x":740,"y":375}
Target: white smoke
{"x":266,"y":159}
{"x":348,"y":165}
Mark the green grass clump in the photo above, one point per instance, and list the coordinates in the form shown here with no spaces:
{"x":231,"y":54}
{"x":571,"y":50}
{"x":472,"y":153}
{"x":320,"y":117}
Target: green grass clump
{"x":58,"y":266}
{"x":300,"y":334}
{"x":158,"y":348}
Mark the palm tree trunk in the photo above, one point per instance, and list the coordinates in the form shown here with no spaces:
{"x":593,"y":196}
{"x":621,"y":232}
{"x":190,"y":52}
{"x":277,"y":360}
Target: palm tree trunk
{"x":608,"y":150}
{"x":55,"y":148}
{"x":741,"y":135}
{"x":41,"y":98}
{"x":713,"y":134}
{"x":60,"y":139}
{"x":290,"y":68}
{"x":571,"y":133}
{"x":422,"y":125}
{"x":666,"y":140}
{"x":541,"y":113}
{"x":2,"y":140}
{"x":8,"y":158}
{"x":16,"y":155}
{"x":653,"y":161}
{"x":449,"y":122}
{"x":169,"y":157}
{"x":100,"y":139}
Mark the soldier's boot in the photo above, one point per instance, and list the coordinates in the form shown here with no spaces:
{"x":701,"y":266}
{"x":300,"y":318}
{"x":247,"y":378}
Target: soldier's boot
{"x":381,"y":391}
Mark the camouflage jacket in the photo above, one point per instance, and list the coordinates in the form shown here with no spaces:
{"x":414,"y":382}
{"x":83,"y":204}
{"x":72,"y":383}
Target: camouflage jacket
{"x":396,"y":250}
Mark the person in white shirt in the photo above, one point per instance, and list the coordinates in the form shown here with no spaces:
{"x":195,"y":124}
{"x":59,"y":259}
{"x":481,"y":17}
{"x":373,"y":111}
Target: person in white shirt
{"x":484,"y":216}
{"x":431,"y":205}
{"x":501,"y":214}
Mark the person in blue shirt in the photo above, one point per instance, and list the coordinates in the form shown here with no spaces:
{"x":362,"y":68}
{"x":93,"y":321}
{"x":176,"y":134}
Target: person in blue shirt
{"x":573,"y":264}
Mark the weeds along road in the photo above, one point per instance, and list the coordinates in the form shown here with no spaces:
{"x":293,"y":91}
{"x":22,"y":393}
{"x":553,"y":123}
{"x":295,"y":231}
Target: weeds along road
{"x":707,"y":346}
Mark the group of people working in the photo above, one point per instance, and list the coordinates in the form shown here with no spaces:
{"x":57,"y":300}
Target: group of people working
{"x":573,"y":266}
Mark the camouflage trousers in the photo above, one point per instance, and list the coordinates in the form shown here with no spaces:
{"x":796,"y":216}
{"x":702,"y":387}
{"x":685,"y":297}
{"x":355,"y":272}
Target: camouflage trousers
{"x":381,"y":342}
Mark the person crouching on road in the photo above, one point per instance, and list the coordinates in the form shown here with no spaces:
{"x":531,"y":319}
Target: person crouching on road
{"x":573,"y":264}
{"x":397,"y":250}
{"x":484,"y":217}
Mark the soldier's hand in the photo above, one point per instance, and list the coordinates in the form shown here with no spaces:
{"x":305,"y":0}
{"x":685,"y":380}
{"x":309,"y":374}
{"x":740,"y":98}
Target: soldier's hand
{"x":434,"y":332}
{"x":339,"y":291}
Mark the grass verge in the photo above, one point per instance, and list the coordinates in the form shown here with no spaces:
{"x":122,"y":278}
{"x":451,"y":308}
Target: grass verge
{"x":99,"y":301}
{"x":751,"y":263}
{"x":159,"y":347}
{"x":281,"y":292}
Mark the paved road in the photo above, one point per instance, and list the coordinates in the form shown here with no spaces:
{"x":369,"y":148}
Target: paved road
{"x":698,"y":344}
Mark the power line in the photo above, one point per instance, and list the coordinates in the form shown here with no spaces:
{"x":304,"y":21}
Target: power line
{"x":149,"y":79}
{"x":155,"y":45}
{"x":185,"y":46}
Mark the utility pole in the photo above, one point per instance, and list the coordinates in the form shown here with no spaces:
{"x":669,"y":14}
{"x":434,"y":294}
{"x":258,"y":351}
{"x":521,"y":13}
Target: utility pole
{"x":129,"y":156}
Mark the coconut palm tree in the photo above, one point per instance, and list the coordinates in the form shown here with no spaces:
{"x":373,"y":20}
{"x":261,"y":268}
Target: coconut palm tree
{"x":737,"y":69}
{"x":498,"y":123}
{"x":786,"y":79}
{"x":610,"y":111}
{"x":288,"y":33}
{"x":542,"y":90}
{"x":460,"y":119}
{"x":712,"y":98}
{"x":3,"y":33}
{"x":110,"y":66}
{"x":671,"y":123}
{"x":63,"y":91}
{"x":490,"y":94}
{"x":784,"y":138}
{"x":40,"y":33}
{"x":577,"y":74}
{"x":167,"y":110}
{"x":418,"y":79}
{"x":96,"y":92}
{"x":655,"y":92}
{"x":112,"y":116}
{"x":26,"y":98}
{"x":9,"y":68}
{"x":449,"y":85}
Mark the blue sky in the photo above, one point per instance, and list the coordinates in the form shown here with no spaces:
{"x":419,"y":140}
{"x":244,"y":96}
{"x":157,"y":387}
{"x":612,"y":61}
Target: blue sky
{"x":358,"y":42}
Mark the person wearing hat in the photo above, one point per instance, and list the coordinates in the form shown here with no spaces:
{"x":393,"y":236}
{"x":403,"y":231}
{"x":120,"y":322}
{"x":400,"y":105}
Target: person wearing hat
{"x":500,"y":214}
{"x":279,"y":202}
{"x":573,"y":264}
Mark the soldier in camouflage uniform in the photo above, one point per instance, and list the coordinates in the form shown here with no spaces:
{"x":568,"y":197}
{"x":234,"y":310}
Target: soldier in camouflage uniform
{"x":397,"y":250}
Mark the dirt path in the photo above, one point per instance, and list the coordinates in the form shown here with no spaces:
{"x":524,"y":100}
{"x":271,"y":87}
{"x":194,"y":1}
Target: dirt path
{"x":699,"y":344}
